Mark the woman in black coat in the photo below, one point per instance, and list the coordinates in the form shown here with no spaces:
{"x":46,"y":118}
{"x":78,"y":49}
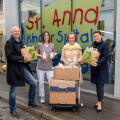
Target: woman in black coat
{"x":100,"y":69}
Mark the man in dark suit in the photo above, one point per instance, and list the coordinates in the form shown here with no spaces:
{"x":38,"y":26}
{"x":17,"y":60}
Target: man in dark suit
{"x":18,"y":71}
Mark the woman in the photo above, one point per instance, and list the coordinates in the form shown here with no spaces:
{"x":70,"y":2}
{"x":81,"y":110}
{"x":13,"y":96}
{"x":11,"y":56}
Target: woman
{"x":71,"y":52}
{"x":100,"y":70}
{"x":45,"y":52}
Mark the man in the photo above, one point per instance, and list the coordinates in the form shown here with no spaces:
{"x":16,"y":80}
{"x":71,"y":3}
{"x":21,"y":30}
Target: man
{"x":18,"y":71}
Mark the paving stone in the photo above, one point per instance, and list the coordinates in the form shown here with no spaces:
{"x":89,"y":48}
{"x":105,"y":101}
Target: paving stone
{"x":5,"y":113}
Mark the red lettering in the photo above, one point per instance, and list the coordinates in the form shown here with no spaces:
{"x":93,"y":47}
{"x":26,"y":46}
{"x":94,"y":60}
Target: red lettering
{"x":37,"y":19}
{"x":76,"y":10}
{"x":96,"y":17}
{"x":56,"y":20}
{"x":64,"y":17}
{"x":30,"y":22}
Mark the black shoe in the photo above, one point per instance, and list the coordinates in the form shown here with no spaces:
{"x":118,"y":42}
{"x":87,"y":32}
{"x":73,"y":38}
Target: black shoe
{"x":99,"y":110}
{"x":15,"y":114}
{"x":95,"y":106}
{"x":32,"y":105}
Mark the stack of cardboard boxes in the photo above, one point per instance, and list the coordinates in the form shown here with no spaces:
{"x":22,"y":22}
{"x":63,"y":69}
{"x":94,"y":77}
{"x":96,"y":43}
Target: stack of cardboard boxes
{"x":62,"y":87}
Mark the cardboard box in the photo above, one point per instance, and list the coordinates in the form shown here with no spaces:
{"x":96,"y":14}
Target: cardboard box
{"x":76,"y":82}
{"x":67,"y":73}
{"x":62,"y":92}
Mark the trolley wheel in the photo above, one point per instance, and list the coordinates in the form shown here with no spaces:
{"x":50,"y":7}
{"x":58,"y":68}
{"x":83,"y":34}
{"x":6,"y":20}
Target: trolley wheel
{"x":77,"y":108}
{"x":74,"y":109}
{"x":52,"y":109}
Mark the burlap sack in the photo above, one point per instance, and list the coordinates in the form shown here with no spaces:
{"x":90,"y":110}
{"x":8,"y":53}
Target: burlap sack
{"x":29,"y":51}
{"x":90,"y":57}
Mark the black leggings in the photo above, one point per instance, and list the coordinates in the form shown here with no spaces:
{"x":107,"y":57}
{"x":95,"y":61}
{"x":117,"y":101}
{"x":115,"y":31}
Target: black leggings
{"x":100,"y":91}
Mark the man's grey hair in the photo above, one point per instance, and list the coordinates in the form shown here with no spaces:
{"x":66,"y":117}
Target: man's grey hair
{"x":14,"y":28}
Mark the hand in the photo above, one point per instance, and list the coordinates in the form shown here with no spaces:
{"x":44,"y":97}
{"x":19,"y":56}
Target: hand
{"x":31,"y":60}
{"x":42,"y":57}
{"x":52,"y":56}
{"x":77,"y":62}
{"x":27,"y":58}
{"x":66,"y":63}
{"x":94,"y":64}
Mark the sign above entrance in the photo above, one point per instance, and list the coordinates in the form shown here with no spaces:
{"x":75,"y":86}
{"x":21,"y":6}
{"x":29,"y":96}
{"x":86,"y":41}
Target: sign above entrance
{"x":58,"y":18}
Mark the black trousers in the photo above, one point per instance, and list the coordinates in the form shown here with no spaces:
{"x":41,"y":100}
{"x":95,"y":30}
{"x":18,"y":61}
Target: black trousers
{"x":100,"y":91}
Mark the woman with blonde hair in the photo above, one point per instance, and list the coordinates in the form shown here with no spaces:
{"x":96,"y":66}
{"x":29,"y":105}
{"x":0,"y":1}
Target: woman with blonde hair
{"x":71,"y":52}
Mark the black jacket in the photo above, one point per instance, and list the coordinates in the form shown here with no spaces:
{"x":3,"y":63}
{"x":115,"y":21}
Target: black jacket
{"x":15,"y":63}
{"x":100,"y":74}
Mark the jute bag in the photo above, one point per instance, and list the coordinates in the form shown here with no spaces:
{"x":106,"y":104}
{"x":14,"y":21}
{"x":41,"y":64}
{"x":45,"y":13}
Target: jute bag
{"x":90,"y":56}
{"x":29,"y":51}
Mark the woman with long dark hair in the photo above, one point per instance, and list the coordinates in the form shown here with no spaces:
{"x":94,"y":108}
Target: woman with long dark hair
{"x":45,"y":52}
{"x":100,"y":69}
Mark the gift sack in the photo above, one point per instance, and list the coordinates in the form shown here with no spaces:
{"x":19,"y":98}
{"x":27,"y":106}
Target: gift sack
{"x":30,"y":51}
{"x":90,"y":56}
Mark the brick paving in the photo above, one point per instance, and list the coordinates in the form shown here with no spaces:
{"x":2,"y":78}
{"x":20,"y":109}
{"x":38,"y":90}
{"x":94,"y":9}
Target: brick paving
{"x":5,"y":114}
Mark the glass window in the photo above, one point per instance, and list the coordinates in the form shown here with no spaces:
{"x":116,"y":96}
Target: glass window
{"x":100,"y":26}
{"x":1,"y":6}
{"x":30,"y":22}
{"x":62,"y":16}
{"x":108,"y":15}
